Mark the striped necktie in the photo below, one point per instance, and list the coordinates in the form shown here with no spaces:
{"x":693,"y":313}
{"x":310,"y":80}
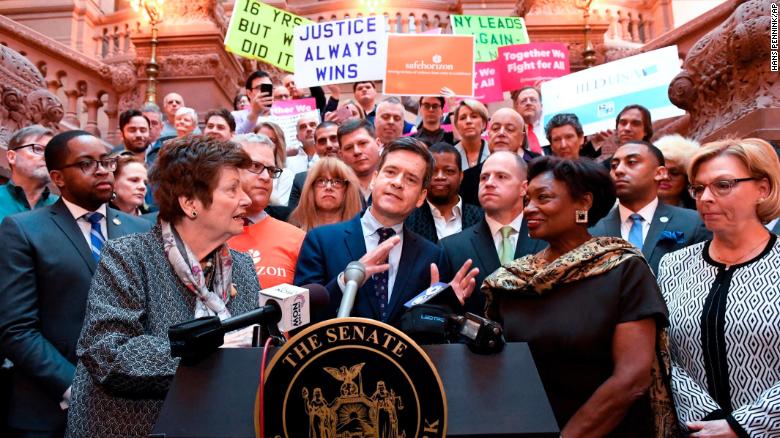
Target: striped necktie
{"x":381,"y":279}
{"x":95,"y":234}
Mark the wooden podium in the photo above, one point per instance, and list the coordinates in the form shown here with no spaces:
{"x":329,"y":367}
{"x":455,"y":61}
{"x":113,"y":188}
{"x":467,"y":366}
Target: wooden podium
{"x":487,"y":396}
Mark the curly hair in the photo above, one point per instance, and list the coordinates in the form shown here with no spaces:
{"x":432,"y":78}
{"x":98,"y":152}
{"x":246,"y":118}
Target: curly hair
{"x":306,"y":214}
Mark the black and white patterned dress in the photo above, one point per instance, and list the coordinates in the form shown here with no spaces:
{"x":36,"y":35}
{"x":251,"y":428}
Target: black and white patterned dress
{"x":725,"y":338}
{"x":125,"y":365}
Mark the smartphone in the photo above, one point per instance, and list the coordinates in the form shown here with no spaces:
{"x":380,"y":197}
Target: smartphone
{"x":343,"y":113}
{"x":267,"y":89}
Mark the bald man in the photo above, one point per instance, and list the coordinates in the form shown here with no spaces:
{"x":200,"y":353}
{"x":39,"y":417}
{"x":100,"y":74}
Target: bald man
{"x":506,"y":132}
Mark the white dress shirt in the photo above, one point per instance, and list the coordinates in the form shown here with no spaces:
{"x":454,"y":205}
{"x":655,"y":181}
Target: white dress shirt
{"x":495,"y":231}
{"x":447,"y":227}
{"x":85,"y":226}
{"x":282,"y":188}
{"x":626,"y":223}
{"x":369,"y":224}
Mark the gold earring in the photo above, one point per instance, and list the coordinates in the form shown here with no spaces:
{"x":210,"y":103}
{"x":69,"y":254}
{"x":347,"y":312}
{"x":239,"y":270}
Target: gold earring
{"x":581,"y":216}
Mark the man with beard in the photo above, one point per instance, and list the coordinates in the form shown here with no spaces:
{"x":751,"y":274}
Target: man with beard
{"x":135,"y":129}
{"x":27,"y":189}
{"x":444,"y":213}
{"x":45,"y":273}
{"x":273,"y":244}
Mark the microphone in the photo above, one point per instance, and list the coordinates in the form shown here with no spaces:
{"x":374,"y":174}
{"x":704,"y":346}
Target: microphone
{"x":434,"y":324}
{"x":290,"y":305}
{"x":354,"y":274}
{"x":438,"y":294}
{"x":193,"y":340}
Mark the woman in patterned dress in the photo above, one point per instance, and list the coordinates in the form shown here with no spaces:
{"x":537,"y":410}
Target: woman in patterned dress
{"x":724,"y":296}
{"x":180,"y":270}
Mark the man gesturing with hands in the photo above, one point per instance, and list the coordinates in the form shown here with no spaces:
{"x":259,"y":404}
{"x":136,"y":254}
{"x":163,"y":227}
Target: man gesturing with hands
{"x":399,"y":263}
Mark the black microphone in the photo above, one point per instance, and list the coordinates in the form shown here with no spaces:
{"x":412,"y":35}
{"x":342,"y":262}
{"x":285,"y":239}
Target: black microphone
{"x":436,"y":324}
{"x":193,"y":340}
{"x":438,"y":294}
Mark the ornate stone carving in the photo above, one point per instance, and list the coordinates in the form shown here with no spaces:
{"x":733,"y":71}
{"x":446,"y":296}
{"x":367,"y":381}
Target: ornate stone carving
{"x":553,"y":7}
{"x":522,"y":7}
{"x":20,"y":78}
{"x":725,"y":74}
{"x":45,"y":109}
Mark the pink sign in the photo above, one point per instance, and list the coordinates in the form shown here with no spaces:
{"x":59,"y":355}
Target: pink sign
{"x":531,"y":64}
{"x":293,"y":107}
{"x":433,"y":31}
{"x":487,"y":81}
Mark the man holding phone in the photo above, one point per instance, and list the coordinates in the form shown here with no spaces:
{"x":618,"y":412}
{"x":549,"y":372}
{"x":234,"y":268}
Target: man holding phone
{"x":259,"y":90}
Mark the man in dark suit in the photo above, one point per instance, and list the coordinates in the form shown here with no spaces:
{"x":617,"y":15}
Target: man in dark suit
{"x":656,"y":228}
{"x":444,"y":213}
{"x":398,"y":261}
{"x":45,"y":273}
{"x":502,"y":235}
{"x":327,"y":143}
{"x":506,"y":132}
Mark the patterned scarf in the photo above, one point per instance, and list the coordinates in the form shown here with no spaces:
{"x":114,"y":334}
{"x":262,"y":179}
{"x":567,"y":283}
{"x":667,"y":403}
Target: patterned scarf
{"x":187,"y":268}
{"x":532,"y":275}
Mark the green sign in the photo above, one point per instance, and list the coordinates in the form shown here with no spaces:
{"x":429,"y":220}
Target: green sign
{"x":260,"y":31}
{"x":490,"y":33}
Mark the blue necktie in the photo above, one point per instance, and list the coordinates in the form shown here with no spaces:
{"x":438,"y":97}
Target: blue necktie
{"x":635,"y":234}
{"x":95,"y":235}
{"x":381,"y":279}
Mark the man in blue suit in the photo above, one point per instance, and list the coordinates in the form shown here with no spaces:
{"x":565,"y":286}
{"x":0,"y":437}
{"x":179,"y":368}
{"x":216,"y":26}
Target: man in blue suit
{"x":45,"y":273}
{"x":399,"y":263}
{"x":652,"y":226}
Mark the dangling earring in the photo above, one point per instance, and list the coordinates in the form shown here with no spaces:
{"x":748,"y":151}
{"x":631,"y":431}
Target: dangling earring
{"x":581,"y":216}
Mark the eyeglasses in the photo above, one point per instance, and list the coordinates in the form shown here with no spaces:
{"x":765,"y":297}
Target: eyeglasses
{"x":90,"y":166}
{"x":37,"y":149}
{"x":336,"y":183}
{"x":258,"y":168}
{"x":718,"y":188}
{"x":431,"y":106}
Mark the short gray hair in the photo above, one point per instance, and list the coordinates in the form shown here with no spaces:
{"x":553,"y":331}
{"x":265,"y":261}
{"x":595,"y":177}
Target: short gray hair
{"x":19,"y":137}
{"x":189,"y":111}
{"x":246,"y":139}
{"x":151,"y":107}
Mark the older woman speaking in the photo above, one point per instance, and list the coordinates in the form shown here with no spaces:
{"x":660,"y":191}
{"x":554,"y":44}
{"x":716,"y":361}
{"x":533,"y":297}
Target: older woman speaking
{"x":588,"y":307}
{"x":182,"y":269}
{"x":724,"y":296}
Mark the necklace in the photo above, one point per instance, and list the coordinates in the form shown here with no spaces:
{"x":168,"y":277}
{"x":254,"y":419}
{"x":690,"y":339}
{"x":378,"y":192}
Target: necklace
{"x":741,"y":258}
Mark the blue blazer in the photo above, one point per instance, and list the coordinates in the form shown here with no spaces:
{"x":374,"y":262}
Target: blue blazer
{"x":45,"y":274}
{"x":666,"y":218}
{"x":327,"y":250}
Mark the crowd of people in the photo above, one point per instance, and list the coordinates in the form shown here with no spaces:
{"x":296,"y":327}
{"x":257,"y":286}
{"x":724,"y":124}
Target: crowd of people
{"x":646,"y":280}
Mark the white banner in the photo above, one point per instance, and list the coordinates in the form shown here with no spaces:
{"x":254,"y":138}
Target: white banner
{"x":341,"y":51}
{"x":596,"y":95}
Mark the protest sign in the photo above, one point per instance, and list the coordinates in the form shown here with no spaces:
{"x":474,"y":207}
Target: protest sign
{"x":286,"y":113}
{"x":487,"y":82}
{"x":596,"y":95}
{"x":490,"y":33}
{"x":340,"y":51}
{"x":260,"y":31}
{"x":531,"y":64}
{"x":420,"y":65}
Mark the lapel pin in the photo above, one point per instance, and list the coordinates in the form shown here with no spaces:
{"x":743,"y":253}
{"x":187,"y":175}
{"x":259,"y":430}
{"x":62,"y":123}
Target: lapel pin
{"x":116,"y":221}
{"x":664,"y":219}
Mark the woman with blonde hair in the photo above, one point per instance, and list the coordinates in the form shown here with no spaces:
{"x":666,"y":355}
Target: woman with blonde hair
{"x":677,"y":150}
{"x":330,"y":194}
{"x":471,"y":119}
{"x":723,"y":294}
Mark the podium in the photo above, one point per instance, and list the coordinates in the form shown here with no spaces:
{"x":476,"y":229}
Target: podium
{"x":487,"y":396}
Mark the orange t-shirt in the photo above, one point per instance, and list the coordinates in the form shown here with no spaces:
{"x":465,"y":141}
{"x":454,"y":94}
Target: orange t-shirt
{"x":273,"y":246}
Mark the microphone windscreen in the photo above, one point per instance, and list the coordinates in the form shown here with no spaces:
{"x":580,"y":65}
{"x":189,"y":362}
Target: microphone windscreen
{"x":355,"y":271}
{"x":319,"y":298}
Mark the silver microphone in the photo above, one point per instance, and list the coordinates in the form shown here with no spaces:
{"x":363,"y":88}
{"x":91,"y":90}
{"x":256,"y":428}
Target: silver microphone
{"x":354,"y":274}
